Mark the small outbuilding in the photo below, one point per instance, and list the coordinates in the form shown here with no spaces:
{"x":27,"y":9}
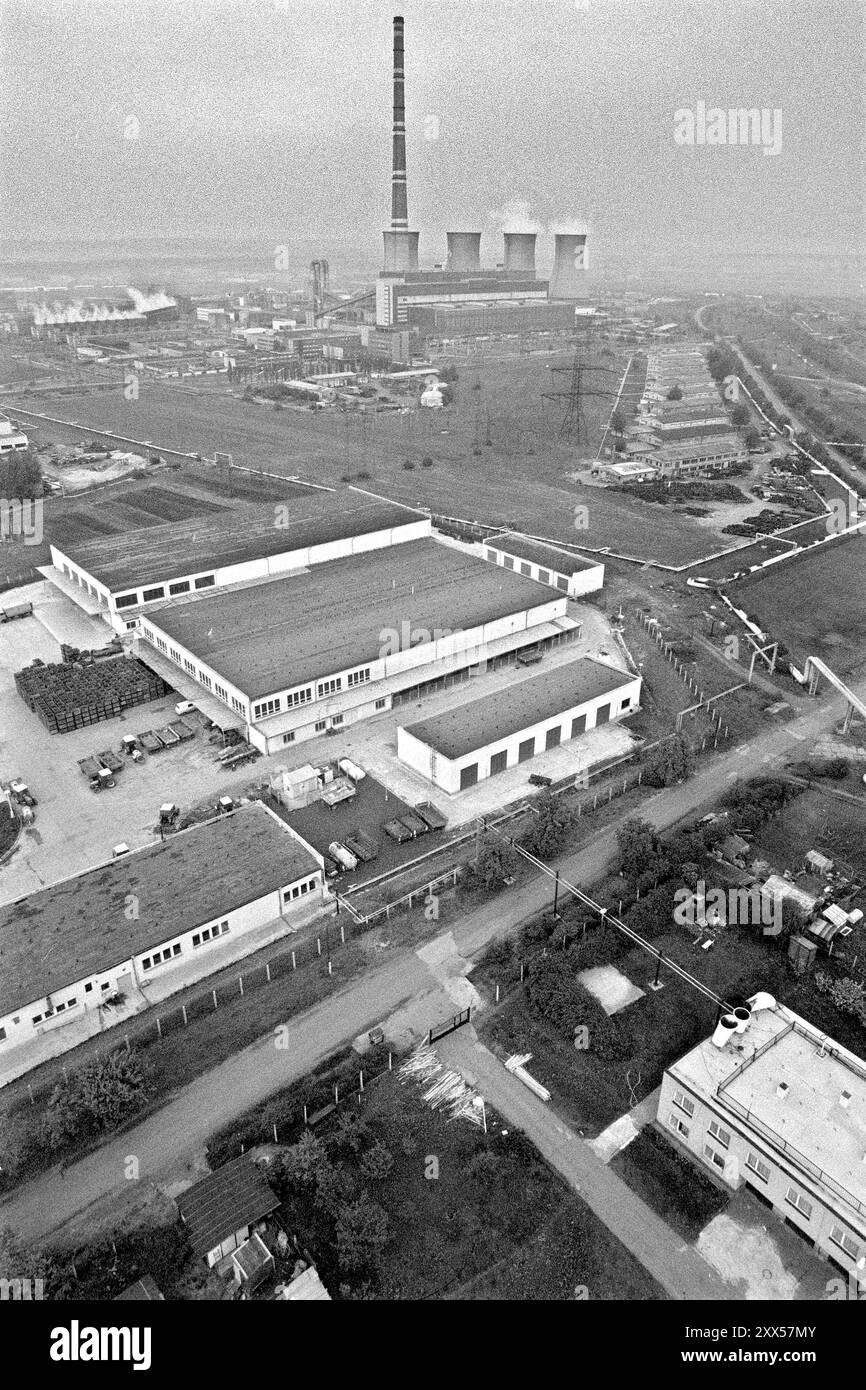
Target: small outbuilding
{"x":222,"y":1209}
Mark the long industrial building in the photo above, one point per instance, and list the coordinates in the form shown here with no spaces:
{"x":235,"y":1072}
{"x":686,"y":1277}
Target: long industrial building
{"x":772,"y":1103}
{"x":120,"y":577}
{"x":549,"y":564}
{"x":463,"y":746}
{"x":318,"y":650}
{"x":90,"y":951}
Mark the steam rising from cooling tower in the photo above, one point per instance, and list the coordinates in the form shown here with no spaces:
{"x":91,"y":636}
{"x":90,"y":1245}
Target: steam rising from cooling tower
{"x":401,"y":245}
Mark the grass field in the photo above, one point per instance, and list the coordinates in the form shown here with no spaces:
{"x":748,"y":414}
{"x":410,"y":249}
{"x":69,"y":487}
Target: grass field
{"x":521,"y":476}
{"x":815,"y":605}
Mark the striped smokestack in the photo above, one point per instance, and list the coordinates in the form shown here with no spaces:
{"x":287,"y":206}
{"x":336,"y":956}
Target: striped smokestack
{"x":464,"y":251}
{"x":399,"y":203}
{"x":569,"y":266}
{"x":401,"y":245}
{"x":519,"y":255}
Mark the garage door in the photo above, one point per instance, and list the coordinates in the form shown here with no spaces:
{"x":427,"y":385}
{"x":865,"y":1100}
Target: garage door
{"x":499,"y":762}
{"x":553,"y":737}
{"x":468,"y":776}
{"x":602,"y":715}
{"x":578,"y":725}
{"x":526,"y":750}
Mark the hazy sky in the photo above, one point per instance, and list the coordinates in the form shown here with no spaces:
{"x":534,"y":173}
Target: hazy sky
{"x":272,"y":118}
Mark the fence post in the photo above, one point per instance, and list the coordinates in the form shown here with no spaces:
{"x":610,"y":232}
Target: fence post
{"x":361,"y":1079}
{"x":241,"y":982}
{"x":319,"y":944}
{"x":183,"y":1011}
{"x":294,"y":962}
{"x":342,"y":933}
{"x":336,"y":1095}
{"x":497,"y":994}
{"x":214,"y":999}
{"x":390,"y":1064}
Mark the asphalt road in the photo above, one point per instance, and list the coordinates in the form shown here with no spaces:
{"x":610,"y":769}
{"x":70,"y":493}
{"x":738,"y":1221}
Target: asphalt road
{"x":166,"y":1143}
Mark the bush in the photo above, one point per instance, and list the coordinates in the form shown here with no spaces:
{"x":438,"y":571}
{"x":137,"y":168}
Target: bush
{"x":426,"y":461}
{"x":408,"y":465}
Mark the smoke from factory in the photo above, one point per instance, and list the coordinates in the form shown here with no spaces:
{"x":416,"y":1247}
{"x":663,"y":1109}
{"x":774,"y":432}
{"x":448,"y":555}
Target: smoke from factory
{"x":516,"y":216}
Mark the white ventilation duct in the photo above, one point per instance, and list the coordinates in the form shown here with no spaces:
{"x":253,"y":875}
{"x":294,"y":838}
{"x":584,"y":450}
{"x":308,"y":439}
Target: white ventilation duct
{"x":761,"y":1000}
{"x":742,"y":1015}
{"x":725,"y":1029}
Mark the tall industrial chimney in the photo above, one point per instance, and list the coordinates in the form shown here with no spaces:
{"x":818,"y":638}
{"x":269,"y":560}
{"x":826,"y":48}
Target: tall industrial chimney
{"x":569,"y":266}
{"x":464,"y":251}
{"x":519,"y":260}
{"x":401,"y":245}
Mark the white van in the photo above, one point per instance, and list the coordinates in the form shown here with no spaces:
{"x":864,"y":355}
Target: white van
{"x":184,"y":707}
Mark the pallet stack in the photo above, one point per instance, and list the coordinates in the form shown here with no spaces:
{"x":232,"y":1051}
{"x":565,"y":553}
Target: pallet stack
{"x":72,"y":695}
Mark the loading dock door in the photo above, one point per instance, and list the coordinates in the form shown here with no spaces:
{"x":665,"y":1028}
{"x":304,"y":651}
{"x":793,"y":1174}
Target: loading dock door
{"x":602,"y":715}
{"x":578,"y":725}
{"x":468,"y":776}
{"x":499,"y":762}
{"x":526,"y":750}
{"x":553,"y":737}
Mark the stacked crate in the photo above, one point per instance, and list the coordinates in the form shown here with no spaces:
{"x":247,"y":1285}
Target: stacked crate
{"x":73,"y":696}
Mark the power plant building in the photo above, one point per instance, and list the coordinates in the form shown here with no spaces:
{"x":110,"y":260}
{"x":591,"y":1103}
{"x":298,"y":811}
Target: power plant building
{"x":772,"y":1103}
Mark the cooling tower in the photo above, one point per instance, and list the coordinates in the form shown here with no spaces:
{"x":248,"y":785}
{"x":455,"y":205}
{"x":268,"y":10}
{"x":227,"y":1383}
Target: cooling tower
{"x":569,"y":265}
{"x":464,"y":251}
{"x":401,"y":245}
{"x":519,"y":255}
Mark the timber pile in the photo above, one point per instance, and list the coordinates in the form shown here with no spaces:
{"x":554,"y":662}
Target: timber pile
{"x":72,"y":695}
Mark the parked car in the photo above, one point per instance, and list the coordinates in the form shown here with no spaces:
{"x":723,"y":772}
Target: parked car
{"x":539,"y":780}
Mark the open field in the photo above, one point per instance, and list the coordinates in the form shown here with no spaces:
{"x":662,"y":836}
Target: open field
{"x":815,"y":605}
{"x":816,"y":821}
{"x":522,"y":476}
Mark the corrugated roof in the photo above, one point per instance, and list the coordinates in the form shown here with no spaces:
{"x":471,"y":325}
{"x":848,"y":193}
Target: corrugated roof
{"x":235,"y":1196}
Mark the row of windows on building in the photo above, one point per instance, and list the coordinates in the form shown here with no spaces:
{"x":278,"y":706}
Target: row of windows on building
{"x":553,"y":737}
{"x":756,"y":1165}
{"x":182,"y":586}
{"x":332,"y":686}
{"x":174,"y":949}
{"x":299,"y":890}
{"x":54,"y":1009}
{"x":321,"y":724}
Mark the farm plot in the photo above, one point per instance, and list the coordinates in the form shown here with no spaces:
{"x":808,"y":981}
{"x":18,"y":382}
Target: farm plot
{"x":814,"y":604}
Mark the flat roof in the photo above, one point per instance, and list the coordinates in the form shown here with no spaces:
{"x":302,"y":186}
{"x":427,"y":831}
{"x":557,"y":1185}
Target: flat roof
{"x":79,"y":927}
{"x":337,"y":615}
{"x":493,"y":717}
{"x":234,"y":1196}
{"x":809,"y":1117}
{"x":156,"y":554}
{"x":540,"y":552}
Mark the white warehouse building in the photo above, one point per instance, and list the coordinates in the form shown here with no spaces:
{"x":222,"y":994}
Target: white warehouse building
{"x":463,"y":746}
{"x":92,"y":950}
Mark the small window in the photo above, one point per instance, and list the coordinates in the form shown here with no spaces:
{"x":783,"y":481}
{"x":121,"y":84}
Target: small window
{"x":679,"y":1125}
{"x":88,"y":988}
{"x":797,"y":1200}
{"x":205,"y":581}
{"x":682,"y":1100}
{"x":70,"y":1003}
{"x":105,"y":985}
{"x":37,"y":1018}
{"x":196,"y":941}
{"x":2,"y":1034}
{"x":757,"y":1166}
{"x":149,"y":595}
{"x":336,"y":719}
{"x":61,"y":1008}
{"x":320,"y":725}
{"x":289,"y":737}
{"x":175,"y":950}
{"x":722,"y":1135}
{"x":125,"y":600}
{"x":845,"y":1242}
{"x":181,"y":587}
{"x":380,"y":704}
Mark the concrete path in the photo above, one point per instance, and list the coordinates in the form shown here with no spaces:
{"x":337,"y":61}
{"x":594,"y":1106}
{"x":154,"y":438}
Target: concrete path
{"x":677,"y":1266}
